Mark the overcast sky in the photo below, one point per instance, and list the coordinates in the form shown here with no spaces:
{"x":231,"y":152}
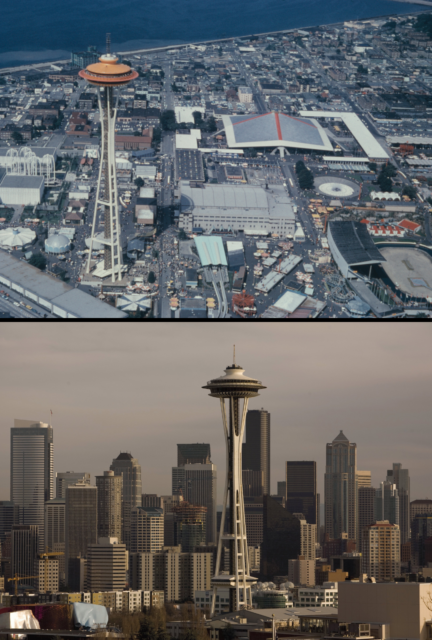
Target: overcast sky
{"x":137,"y":387}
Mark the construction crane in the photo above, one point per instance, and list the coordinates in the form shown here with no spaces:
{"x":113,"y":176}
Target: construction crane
{"x":46,"y":556}
{"x":18,"y":578}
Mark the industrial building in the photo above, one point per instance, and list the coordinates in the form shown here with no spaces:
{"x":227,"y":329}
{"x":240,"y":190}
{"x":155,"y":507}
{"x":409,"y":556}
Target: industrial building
{"x":21,"y":189}
{"x":352,"y":246}
{"x":189,"y":165}
{"x":236,"y":259}
{"x":245,"y":208}
{"x":211,"y":251}
{"x":51,"y":293}
{"x":275,"y":130}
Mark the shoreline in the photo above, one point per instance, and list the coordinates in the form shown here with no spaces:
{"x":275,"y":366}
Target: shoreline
{"x":41,"y":65}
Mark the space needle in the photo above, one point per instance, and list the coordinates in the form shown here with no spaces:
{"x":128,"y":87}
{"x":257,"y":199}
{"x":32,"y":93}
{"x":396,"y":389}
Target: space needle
{"x":106,"y":75}
{"x":234,"y":386}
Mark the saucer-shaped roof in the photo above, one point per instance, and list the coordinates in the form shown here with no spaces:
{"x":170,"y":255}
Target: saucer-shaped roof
{"x":234,"y":383}
{"x":107,"y":72}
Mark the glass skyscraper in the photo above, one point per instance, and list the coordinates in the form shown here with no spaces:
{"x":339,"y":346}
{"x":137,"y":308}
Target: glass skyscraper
{"x":32,"y":476}
{"x":340,"y":485}
{"x":256,"y":449}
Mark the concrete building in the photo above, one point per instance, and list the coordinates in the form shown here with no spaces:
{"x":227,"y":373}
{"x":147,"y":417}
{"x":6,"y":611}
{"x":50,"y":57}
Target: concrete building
{"x":381,"y":551}
{"x":248,"y":208}
{"x":340,"y":486}
{"x":301,"y":571}
{"x":245,"y":94}
{"x":130,"y":469}
{"x":64,"y":479}
{"x":395,"y":610}
{"x":400,"y":477}
{"x":48,"y":575}
{"x":146,"y":530}
{"x":308,"y":538}
{"x":106,"y":565}
{"x":256,"y":449}
{"x":197,"y":483}
{"x":301,"y":491}
{"x":151,"y":500}
{"x":363,"y":478}
{"x":189,"y":525}
{"x":22,"y":190}
{"x":203,"y":600}
{"x":32,"y":474}
{"x":109,"y":489}
{"x":325,"y":595}
{"x":420,"y":507}
{"x":168,"y":503}
{"x":55,"y":531}
{"x":81,"y":528}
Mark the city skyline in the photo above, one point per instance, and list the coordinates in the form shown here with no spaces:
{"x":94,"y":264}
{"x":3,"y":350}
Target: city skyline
{"x":381,"y":408}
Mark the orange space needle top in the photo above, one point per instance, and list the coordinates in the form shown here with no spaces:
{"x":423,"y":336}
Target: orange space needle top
{"x":107,"y":72}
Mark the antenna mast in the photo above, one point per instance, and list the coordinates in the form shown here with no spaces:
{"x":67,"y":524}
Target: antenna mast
{"x":108,"y":43}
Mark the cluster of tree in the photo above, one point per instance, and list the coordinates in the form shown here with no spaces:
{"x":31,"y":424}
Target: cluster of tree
{"x":410,"y":191}
{"x":182,"y":235}
{"x":362,"y":69}
{"x":38,"y":260}
{"x":304,"y":175}
{"x":139,"y":182}
{"x":157,"y":136}
{"x":424,"y":23}
{"x":151,"y":277}
{"x":385,"y":176}
{"x":17,"y":137}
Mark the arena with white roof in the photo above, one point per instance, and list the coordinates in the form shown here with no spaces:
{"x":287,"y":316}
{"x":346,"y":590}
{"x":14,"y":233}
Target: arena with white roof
{"x":275,"y":130}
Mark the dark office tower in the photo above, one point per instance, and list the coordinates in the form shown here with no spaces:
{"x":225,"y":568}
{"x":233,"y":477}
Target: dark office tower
{"x":301,"y":489}
{"x":9,"y":515}
{"x":340,"y":486}
{"x":189,"y":526}
{"x":80,"y":523}
{"x":25,"y":546}
{"x":193,"y":454}
{"x":109,"y":489}
{"x":387,"y":503}
{"x":421,"y":541}
{"x":400,"y":477}
{"x":281,"y":488}
{"x":31,"y":469}
{"x":256,"y":449}
{"x":128,"y":467}
{"x":253,"y":482}
{"x":366,"y":511}
{"x":281,"y":539}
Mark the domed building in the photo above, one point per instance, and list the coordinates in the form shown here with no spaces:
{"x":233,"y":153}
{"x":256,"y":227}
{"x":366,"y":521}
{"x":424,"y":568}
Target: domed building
{"x":16,"y":238}
{"x":57,"y":243}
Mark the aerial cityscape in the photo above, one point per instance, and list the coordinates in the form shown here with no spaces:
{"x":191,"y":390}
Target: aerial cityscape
{"x":285,"y":174}
{"x":138,"y":508}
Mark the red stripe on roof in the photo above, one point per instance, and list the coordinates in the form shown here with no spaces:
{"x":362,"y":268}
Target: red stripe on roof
{"x":278,"y":127}
{"x":247,"y":119}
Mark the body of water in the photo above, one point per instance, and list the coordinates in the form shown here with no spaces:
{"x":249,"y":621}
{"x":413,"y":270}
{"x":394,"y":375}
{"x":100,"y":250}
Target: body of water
{"x":47,"y":30}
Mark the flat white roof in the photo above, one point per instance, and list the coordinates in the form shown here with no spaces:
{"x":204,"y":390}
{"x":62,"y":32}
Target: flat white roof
{"x":361,"y":133}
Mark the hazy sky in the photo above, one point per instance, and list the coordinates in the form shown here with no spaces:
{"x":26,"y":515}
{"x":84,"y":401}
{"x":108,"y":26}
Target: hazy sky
{"x":137,"y":387}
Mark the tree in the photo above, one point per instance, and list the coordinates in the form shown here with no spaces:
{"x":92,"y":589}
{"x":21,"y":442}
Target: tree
{"x":137,"y":133}
{"x":304,"y":175}
{"x":168,"y":121}
{"x":362,"y":69}
{"x":157,"y":136}
{"x":409,"y":191}
{"x":211,"y":125}
{"x":197,"y":116}
{"x":148,"y":629}
{"x":151,"y":277}
{"x":17,"y":137}
{"x":182,"y":235}
{"x":139,"y":182}
{"x":38,"y":260}
{"x":372,"y":166}
{"x":385,"y":182}
{"x":228,"y":633}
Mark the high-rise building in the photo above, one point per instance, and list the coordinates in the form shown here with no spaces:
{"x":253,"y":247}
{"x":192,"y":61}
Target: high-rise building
{"x":364,"y":478}
{"x":235,"y":387}
{"x":366,"y":511}
{"x":47,"y":572}
{"x":151,"y":500}
{"x":421,"y":541}
{"x":281,"y":489}
{"x":106,"y":565}
{"x":301,"y":572}
{"x":55,"y":532}
{"x":197,"y":483}
{"x":65,"y":478}
{"x":281,"y":539}
{"x":108,"y":76}
{"x":307,"y":538}
{"x":381,"y":551}
{"x":31,"y":469}
{"x":167,"y":504}
{"x":301,"y":492}
{"x":193,"y":454}
{"x":387,"y":503}
{"x":256,"y":449}
{"x":80,"y":524}
{"x":130,"y":469}
{"x":400,"y":477}
{"x":147,"y":530}
{"x":189,"y":526}
{"x":25,"y":546}
{"x":420,"y":507}
{"x":253,"y":483}
{"x":9,"y":515}
{"x":254,"y":520}
{"x":109,"y":488}
{"x":340,"y":486}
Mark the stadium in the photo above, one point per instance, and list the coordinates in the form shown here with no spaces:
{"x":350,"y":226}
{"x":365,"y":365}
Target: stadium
{"x":276,"y":130}
{"x":352,"y":247}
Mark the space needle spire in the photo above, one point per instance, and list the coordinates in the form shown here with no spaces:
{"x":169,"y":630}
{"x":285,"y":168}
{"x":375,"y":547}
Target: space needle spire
{"x":107,"y":75}
{"x":234,"y":387}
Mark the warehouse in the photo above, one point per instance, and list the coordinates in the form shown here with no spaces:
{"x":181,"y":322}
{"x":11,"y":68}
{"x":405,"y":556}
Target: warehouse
{"x":211,"y":251}
{"x":245,"y":208}
{"x":275,"y":130}
{"x":51,"y":293}
{"x":22,"y":190}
